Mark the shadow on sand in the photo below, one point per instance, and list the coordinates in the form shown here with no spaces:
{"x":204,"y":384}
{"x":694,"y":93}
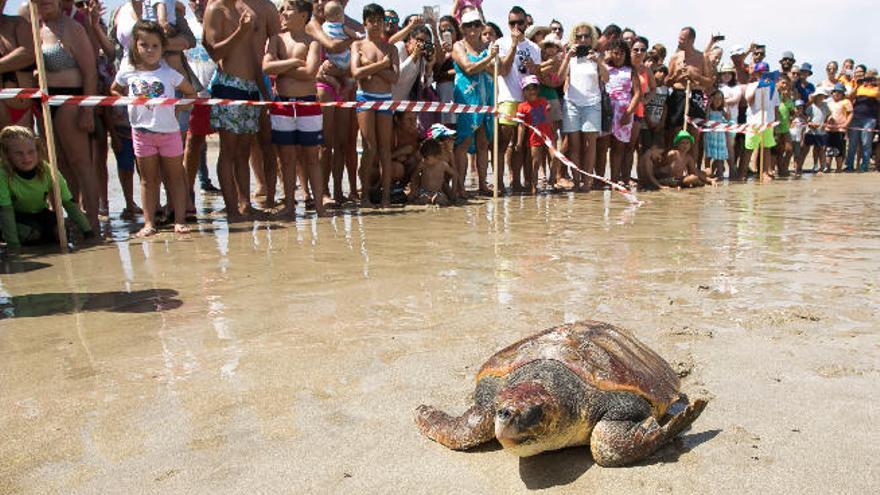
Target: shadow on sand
{"x":59,"y":303}
{"x":12,"y":266}
{"x":563,"y":467}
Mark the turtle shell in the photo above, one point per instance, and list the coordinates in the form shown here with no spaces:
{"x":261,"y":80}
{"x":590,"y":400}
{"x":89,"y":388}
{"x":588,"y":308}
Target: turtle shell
{"x":605,"y":356}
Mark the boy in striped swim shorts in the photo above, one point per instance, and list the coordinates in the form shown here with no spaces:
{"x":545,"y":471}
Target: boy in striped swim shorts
{"x":297,"y":130}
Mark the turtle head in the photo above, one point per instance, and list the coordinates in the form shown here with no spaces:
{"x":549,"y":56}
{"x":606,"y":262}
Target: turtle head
{"x":526,"y":418}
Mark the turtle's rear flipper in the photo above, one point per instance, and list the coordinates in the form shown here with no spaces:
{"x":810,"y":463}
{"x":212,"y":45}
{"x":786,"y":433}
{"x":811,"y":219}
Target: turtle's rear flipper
{"x":476,"y":426}
{"x":618,"y":443}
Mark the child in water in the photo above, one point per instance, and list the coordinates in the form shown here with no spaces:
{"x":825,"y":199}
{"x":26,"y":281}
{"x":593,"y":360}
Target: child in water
{"x":535,"y":111}
{"x":431,"y":178}
{"x":26,"y":192}
{"x":405,"y":154}
{"x":158,"y":146}
{"x":715,"y":143}
{"x":683,"y":165}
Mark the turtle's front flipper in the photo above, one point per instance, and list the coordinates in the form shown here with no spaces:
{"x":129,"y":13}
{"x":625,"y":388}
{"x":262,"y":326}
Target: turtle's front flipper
{"x":476,"y":426}
{"x":621,"y":442}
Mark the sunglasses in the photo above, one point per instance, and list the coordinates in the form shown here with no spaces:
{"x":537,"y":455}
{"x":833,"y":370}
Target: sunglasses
{"x":392,"y":20}
{"x":583,"y":36}
{"x":472,"y":25}
{"x":759,"y":54}
{"x":787,"y":60}
{"x":639,"y":50}
{"x":517,"y":23}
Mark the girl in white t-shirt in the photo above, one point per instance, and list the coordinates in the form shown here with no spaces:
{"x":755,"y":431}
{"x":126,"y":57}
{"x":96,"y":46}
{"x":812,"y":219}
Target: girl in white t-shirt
{"x":155,"y":132}
{"x":733,"y":95}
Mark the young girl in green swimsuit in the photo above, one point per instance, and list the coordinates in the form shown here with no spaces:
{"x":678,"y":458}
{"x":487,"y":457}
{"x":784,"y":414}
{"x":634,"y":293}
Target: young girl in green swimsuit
{"x":26,"y":192}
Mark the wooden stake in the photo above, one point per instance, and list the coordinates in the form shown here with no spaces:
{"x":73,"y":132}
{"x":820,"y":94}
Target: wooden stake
{"x":761,"y":137}
{"x":47,"y":126}
{"x":687,"y":106}
{"x":495,"y":185}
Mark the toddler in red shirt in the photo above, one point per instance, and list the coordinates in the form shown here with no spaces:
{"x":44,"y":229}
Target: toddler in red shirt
{"x":534,"y":111}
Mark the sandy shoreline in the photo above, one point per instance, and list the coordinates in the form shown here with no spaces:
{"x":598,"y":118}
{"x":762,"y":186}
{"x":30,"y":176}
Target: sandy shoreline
{"x":289,"y":358}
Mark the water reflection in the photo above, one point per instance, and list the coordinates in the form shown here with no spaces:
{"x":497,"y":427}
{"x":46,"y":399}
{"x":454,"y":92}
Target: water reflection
{"x":47,"y":304}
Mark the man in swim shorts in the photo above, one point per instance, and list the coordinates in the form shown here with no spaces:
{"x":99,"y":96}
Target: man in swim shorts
{"x":229,"y":29}
{"x":686,"y":65}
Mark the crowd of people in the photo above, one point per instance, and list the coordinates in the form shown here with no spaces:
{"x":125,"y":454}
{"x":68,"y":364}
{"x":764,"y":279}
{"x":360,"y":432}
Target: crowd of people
{"x":607,"y":98}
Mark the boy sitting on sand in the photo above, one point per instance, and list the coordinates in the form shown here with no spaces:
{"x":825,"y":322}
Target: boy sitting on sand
{"x":653,"y":171}
{"x":685,"y":172}
{"x":431,"y":178}
{"x":405,"y":153}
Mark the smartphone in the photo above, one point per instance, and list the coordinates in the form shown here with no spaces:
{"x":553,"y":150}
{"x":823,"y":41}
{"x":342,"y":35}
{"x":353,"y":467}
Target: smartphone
{"x":581,"y":51}
{"x":447,"y":37}
{"x":720,"y":37}
{"x":428,"y":13}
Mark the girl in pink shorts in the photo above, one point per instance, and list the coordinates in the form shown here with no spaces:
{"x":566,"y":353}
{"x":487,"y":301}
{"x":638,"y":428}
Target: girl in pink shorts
{"x":155,"y":132}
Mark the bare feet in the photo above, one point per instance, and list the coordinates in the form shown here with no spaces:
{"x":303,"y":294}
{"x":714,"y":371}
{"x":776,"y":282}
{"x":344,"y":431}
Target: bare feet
{"x":564,"y":183}
{"x":766,"y":178}
{"x":181,"y":228}
{"x":145,"y":232}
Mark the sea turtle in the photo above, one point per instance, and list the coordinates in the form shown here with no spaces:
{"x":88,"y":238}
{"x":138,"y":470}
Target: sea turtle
{"x":576,"y":384}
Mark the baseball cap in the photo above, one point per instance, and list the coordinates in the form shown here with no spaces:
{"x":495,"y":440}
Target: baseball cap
{"x":439,"y":131}
{"x":682,"y":135}
{"x":787,"y":54}
{"x":727,"y":67}
{"x":821,"y":92}
{"x":529,"y":80}
{"x":471,"y":15}
{"x":799,"y":103}
{"x":552,"y":39}
{"x":840,"y":88}
{"x":737,"y":50}
{"x":533,"y":31}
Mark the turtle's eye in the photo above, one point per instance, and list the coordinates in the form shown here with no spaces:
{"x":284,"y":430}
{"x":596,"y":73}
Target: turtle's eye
{"x":504,"y":414}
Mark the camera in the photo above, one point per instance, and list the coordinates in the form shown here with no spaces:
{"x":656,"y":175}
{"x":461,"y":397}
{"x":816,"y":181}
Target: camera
{"x":582,"y":51}
{"x":428,"y":49}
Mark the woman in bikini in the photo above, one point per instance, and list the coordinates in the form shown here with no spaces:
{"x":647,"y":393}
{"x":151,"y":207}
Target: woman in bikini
{"x":71,"y":69}
{"x":16,"y":67}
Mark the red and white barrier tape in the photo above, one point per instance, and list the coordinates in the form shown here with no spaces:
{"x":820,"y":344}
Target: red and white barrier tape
{"x":548,"y":142}
{"x":713,"y":126}
{"x":92,"y":101}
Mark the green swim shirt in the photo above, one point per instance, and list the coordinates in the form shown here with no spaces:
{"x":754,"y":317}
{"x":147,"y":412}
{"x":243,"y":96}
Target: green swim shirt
{"x":785,"y":109}
{"x":29,"y":195}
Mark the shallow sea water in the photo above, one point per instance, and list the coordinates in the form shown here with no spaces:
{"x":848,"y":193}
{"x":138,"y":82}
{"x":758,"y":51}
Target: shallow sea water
{"x":274,"y":356}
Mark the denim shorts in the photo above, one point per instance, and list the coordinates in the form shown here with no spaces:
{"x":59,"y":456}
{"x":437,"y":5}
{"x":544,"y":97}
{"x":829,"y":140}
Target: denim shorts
{"x":587,"y":118}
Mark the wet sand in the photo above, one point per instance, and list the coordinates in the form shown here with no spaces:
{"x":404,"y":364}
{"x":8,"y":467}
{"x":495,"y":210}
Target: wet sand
{"x":274,"y":357}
